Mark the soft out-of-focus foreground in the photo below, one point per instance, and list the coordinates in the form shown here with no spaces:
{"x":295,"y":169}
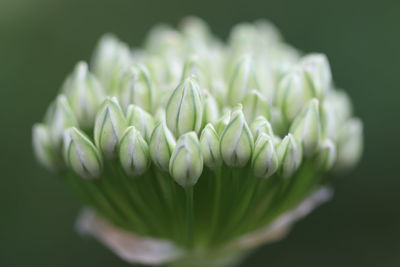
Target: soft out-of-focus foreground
{"x":40,"y":42}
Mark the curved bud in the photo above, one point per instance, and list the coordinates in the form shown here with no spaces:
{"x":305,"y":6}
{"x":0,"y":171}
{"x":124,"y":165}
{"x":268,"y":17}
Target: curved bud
{"x":85,"y":95}
{"x":242,"y":81}
{"x":135,"y":87}
{"x":142,"y":120}
{"x":43,"y":148}
{"x":111,"y":59}
{"x":292,"y":94}
{"x":211,"y":110}
{"x":306,"y":128}
{"x":109,"y":126}
{"x":254,"y":105}
{"x":317,"y":73}
{"x":209,"y":143}
{"x":236,"y":141}
{"x":350,"y":144}
{"x":327,"y":155}
{"x":264,"y":160}
{"x":161,"y":145}
{"x":59,"y":118}
{"x":133,"y":152}
{"x":81,"y":155}
{"x":261,"y":125}
{"x":289,"y":156}
{"x":184,"y":112}
{"x":186,"y":164}
{"x":222,"y":122}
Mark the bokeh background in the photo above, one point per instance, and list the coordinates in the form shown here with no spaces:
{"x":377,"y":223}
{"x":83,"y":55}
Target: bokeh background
{"x":41,"y":40}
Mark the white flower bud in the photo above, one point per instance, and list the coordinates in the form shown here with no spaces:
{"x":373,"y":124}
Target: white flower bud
{"x":211,"y":110}
{"x":133,"y":152}
{"x":81,"y":155}
{"x":289,"y":155}
{"x":43,"y":148}
{"x":306,"y":128}
{"x":161,"y":145}
{"x":209,"y":142}
{"x":236,"y":140}
{"x":293,"y":92}
{"x":109,"y":126}
{"x":60,"y":117}
{"x":186,"y":164}
{"x":222,"y":122}
{"x":327,"y":155}
{"x":317,"y":73}
{"x":135,"y":87}
{"x":142,"y":120}
{"x":243,"y":80}
{"x":111,"y":59}
{"x":184,"y":112}
{"x":265,"y":160}
{"x":85,"y":95}
{"x":350,"y":144}
{"x":254,"y":105}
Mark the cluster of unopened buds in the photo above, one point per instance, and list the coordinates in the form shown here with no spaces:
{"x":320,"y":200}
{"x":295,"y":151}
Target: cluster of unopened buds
{"x":189,"y":150}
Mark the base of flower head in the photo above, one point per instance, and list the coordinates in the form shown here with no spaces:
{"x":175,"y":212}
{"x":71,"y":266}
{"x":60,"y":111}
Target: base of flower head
{"x":134,"y":248}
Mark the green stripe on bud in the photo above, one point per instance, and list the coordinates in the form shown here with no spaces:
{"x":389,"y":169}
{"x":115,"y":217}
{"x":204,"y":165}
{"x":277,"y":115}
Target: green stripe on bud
{"x":186,"y":164}
{"x":184,"y":111}
{"x":261,"y":125}
{"x":109,"y":126}
{"x":306,"y":128}
{"x":265,"y":160}
{"x":81,"y":154}
{"x":161,"y":145}
{"x":133,"y":152}
{"x":142,"y":120}
{"x":209,"y":142}
{"x":85,"y":95}
{"x":254,"y":105}
{"x":242,"y":81}
{"x":327,"y":155}
{"x":60,"y":117}
{"x":211,"y":110}
{"x":43,"y":148}
{"x":236,"y":140}
{"x":318,"y":73}
{"x":289,"y":155}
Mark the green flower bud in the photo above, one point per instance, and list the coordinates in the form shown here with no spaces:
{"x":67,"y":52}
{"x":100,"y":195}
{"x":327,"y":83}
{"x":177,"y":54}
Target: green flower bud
{"x":111,"y":59}
{"x":81,"y":155}
{"x":254,"y":105}
{"x":142,"y":120}
{"x":317,"y":73}
{"x":60,"y":117}
{"x":135,"y":87}
{"x":306,"y":128}
{"x":109,"y":126}
{"x":211,"y":110}
{"x":186,"y":164}
{"x":265,"y":160}
{"x":133,"y":152}
{"x":289,"y":155}
{"x":43,"y":148}
{"x":236,"y":141}
{"x":242,"y":81}
{"x":222,"y":122}
{"x":327,"y":155}
{"x":209,"y":142}
{"x":184,"y":112}
{"x":85,"y":95}
{"x":161,"y":145}
{"x":350,"y":144}
{"x":261,"y":125}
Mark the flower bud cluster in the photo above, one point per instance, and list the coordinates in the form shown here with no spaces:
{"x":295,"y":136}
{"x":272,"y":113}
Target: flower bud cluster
{"x":186,"y":104}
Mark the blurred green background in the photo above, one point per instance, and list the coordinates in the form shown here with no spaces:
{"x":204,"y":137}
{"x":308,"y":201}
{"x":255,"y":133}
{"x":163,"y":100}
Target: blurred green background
{"x":41,"y":40}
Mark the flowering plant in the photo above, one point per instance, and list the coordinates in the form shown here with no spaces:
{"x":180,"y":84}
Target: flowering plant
{"x":190,"y":151}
